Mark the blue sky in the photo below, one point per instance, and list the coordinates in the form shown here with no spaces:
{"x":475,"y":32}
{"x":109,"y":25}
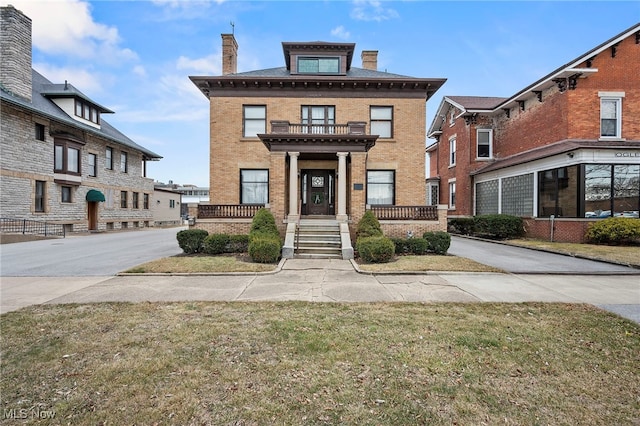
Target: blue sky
{"x":135,"y":57}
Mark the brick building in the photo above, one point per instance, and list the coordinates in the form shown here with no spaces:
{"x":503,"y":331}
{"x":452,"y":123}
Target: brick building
{"x":560,"y":152}
{"x":316,"y":138}
{"x":61,"y":161}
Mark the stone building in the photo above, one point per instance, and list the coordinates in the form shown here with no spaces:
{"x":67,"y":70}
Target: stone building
{"x":317,"y":140}
{"x":561,"y":152}
{"x":61,"y":161}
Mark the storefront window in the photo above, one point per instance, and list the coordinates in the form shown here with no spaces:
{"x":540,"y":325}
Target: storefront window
{"x":611,"y":190}
{"x":558,"y":192}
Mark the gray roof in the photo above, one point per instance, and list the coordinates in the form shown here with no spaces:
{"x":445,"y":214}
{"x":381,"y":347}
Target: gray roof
{"x":40,"y":104}
{"x":477,"y":102}
{"x":353,"y":72}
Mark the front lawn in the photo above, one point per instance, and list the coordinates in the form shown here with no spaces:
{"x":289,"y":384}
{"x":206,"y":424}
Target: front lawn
{"x":313,"y":363}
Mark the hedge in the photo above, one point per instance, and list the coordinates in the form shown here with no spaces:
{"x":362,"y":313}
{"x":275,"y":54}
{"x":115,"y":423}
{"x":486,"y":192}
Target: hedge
{"x":417,"y":246}
{"x":461,"y":225}
{"x":614,"y":230}
{"x":265,"y":250}
{"x":438,"y":242}
{"x":499,"y":226}
{"x":375,"y":249}
{"x":191,"y":240}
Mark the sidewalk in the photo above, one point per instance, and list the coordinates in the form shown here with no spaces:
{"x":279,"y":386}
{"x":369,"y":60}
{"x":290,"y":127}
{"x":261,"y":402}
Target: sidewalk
{"x":329,"y":281}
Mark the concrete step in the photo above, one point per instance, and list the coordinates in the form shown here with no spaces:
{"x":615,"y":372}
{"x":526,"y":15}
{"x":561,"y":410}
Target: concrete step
{"x":319,"y":238}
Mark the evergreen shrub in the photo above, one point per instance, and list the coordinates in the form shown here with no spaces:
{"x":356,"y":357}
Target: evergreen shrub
{"x":614,"y":230}
{"x":376,"y":249}
{"x":438,"y":242}
{"x":191,"y":240}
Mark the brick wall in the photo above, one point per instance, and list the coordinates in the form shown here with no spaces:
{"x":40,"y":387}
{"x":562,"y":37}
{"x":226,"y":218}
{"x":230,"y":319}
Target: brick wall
{"x":224,"y":226}
{"x":564,"y":230}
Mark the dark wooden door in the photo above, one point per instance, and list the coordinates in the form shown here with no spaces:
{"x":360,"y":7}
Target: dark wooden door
{"x":319,"y":192}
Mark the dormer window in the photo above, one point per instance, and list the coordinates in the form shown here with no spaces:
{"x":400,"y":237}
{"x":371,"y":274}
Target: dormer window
{"x":87,"y":112}
{"x":307,"y":65}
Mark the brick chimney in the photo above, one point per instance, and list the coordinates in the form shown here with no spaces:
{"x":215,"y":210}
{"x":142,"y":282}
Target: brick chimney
{"x":370,"y":60}
{"x":229,"y":54}
{"x":15,"y":45}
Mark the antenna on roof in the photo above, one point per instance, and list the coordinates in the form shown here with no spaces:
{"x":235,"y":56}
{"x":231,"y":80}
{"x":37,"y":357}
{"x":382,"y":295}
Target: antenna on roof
{"x":233,"y":28}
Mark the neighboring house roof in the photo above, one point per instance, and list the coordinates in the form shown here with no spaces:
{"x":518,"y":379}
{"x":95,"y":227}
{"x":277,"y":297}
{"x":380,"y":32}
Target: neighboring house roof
{"x":560,"y":147}
{"x":171,"y":191}
{"x":470,"y":104}
{"x":40,"y":104}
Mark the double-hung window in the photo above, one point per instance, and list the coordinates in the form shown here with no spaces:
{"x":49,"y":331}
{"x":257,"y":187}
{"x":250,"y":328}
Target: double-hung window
{"x":254,"y":120}
{"x":123,"y":199}
{"x":318,"y":119}
{"x":452,"y":152}
{"x":39,"y":199}
{"x":108,"y":159}
{"x":134,"y":200}
{"x":610,"y":115}
{"x":254,"y":186}
{"x":65,"y":194}
{"x":145,"y":201}
{"x":93,"y":168}
{"x":39,"y":132}
{"x":452,"y":194}
{"x":381,"y":187}
{"x":381,"y":121}
{"x":124,"y":162}
{"x":66,"y":157}
{"x":484,"y":141}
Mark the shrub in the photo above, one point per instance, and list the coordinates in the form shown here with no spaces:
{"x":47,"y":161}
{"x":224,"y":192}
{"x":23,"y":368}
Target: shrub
{"x":265,"y":249}
{"x":418,"y":246}
{"x":375,"y":249}
{"x":500,"y":226}
{"x":614,"y":230}
{"x":368,"y":226}
{"x":216,"y":243}
{"x":461,"y":225}
{"x":191,"y":240}
{"x":264,"y":222}
{"x":438,"y":242}
{"x":238,"y":244}
{"x":401,"y":245}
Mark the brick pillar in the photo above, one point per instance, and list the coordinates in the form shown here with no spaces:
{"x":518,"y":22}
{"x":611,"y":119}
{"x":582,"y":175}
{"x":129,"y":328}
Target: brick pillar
{"x":229,"y":54}
{"x":358,"y":174}
{"x":370,"y":60}
{"x":277,"y":187}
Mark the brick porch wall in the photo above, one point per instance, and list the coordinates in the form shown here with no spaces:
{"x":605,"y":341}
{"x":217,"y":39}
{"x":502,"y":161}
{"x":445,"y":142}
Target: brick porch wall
{"x":564,"y":230}
{"x":223,"y":226}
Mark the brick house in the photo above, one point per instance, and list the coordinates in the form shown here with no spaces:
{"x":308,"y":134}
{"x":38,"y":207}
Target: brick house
{"x":61,"y":161}
{"x":316,"y":139}
{"x":560,"y":152}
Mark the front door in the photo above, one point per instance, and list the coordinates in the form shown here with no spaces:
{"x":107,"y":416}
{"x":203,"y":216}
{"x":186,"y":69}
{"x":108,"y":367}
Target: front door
{"x":92,"y":210}
{"x":318,"y":192}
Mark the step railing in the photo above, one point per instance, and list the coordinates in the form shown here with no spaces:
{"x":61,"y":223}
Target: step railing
{"x":31,"y":227}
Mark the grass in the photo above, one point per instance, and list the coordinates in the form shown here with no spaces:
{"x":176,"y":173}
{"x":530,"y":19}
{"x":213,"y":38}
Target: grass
{"x":428,"y":263}
{"x":303,"y":363}
{"x":628,"y":255}
{"x":201,"y":264}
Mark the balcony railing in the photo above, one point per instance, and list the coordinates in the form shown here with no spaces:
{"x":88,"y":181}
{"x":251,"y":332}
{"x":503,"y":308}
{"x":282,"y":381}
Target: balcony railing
{"x":405,"y":212}
{"x":351,"y":128}
{"x":227,"y":211}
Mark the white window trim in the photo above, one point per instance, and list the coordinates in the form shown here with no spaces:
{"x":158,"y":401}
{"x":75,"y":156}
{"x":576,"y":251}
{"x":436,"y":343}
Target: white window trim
{"x":612,"y":96}
{"x":453,"y":143}
{"x":451,"y":206}
{"x":490,"y":131}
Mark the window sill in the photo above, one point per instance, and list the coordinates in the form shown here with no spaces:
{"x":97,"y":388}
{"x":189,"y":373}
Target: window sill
{"x":611,"y":139}
{"x":484,"y":159}
{"x":245,"y":139}
{"x":451,"y":166}
{"x":390,"y":140}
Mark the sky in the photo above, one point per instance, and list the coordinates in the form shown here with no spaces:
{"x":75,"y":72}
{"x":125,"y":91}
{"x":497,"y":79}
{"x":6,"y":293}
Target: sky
{"x":135,"y":57}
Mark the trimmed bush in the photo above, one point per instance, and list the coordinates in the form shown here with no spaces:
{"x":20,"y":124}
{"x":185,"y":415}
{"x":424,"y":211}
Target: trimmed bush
{"x":499,"y":226}
{"x":375,"y":249}
{"x":265,"y":249}
{"x":438,"y":242}
{"x":368,"y":226}
{"x":216,"y":243}
{"x":614,"y":230}
{"x":238,"y":244}
{"x":264,"y":222}
{"x":417,"y":246}
{"x":191,"y":240}
{"x":461,"y":225}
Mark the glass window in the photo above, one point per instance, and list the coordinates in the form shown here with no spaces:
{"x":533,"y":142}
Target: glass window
{"x":123,"y":199}
{"x":517,"y":195}
{"x":487,"y":197}
{"x":40,"y":196}
{"x":452,"y":152}
{"x":558,"y":192}
{"x":78,"y":108}
{"x":626,"y":190}
{"x":65,"y":194}
{"x":73,"y":160}
{"x":124,"y":162}
{"x":381,"y":121}
{"x":452,"y":195}
{"x":58,"y":155}
{"x":93,"y":170}
{"x":172,"y":204}
{"x":145,"y":201}
{"x":254,"y":186}
{"x":39,"y":130}
{"x":255,"y":120}
{"x":318,"y":65}
{"x":134,"y":200}
{"x":319,"y":119}
{"x":66,"y":158}
{"x":484,"y":142}
{"x":381,"y":187}
{"x":611,"y":190}
{"x":108,"y":162}
{"x":610,"y":111}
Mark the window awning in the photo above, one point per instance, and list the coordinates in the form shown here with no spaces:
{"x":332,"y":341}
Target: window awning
{"x":95,"y":195}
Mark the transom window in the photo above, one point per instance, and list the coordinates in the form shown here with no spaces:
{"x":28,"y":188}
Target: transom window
{"x":254,"y":186}
{"x":319,"y":119}
{"x":381,"y":187}
{"x":381,"y":121}
{"x":308,"y":65}
{"x":484,"y":143}
{"x":610,"y":117}
{"x":255,"y":120}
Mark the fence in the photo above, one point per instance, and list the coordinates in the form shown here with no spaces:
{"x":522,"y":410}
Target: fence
{"x":32,"y":227}
{"x":230,"y":211}
{"x":405,"y":212}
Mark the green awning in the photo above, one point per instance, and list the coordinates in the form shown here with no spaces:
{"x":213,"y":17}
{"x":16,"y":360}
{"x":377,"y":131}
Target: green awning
{"x":95,"y":195}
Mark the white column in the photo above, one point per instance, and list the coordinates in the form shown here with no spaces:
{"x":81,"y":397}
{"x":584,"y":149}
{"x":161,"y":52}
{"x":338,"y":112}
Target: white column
{"x":293,"y":185}
{"x":342,"y":186}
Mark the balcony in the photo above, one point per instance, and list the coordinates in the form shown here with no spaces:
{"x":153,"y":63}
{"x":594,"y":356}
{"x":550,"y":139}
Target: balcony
{"x":320,"y":138}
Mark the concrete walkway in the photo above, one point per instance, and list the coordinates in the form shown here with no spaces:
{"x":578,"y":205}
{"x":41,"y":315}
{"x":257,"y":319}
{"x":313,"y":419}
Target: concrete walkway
{"x":330,"y":281}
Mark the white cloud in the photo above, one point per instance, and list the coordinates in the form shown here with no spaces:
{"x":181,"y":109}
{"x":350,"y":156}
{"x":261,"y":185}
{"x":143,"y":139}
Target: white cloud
{"x":341,"y":32}
{"x":207,"y":65}
{"x":88,"y":82}
{"x":67,"y":27}
{"x":372,"y":10}
{"x":140,"y":71}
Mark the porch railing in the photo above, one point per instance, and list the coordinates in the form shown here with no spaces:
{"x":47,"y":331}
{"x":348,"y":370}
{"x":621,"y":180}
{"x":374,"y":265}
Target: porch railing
{"x":30,"y":227}
{"x":405,"y":212}
{"x":227,"y":211}
{"x":351,"y":128}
